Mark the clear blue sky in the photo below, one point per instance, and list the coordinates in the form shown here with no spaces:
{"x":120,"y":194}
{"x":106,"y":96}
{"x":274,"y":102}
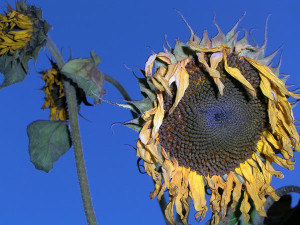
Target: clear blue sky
{"x":120,"y":32}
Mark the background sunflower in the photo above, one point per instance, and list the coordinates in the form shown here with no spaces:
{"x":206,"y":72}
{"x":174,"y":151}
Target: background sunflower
{"x":125,"y":43}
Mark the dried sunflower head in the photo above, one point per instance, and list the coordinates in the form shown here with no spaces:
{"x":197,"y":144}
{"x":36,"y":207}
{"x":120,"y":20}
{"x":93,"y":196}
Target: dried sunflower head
{"x":22,"y":33}
{"x":55,"y":97}
{"x":216,"y":116}
{"x":23,"y":27}
{"x":16,"y":31}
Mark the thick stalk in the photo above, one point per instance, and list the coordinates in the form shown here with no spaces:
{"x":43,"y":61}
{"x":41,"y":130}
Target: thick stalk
{"x":163,"y":205}
{"x":257,"y":220}
{"x":76,"y":140}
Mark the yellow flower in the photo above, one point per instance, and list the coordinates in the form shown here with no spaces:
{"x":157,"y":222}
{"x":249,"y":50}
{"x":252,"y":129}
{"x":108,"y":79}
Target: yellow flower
{"x":22,"y":33}
{"x":217,"y":117}
{"x":16,"y":30}
{"x":55,"y":97}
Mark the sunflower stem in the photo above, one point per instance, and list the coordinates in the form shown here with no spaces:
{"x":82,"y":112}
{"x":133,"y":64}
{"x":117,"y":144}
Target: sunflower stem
{"x":280,"y":192}
{"x":163,"y":205}
{"x":75,"y":135}
{"x":117,"y":85}
{"x":121,"y":89}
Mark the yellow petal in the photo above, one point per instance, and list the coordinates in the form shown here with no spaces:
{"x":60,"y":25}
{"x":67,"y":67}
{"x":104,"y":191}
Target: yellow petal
{"x":265,"y":87}
{"x":153,"y":150}
{"x":251,"y":188}
{"x":168,"y":171}
{"x":160,"y":76}
{"x":235,"y":73}
{"x":236,"y":194}
{"x":150,"y":112}
{"x":271,"y":170}
{"x":181,"y":198}
{"x":215,"y":198}
{"x":149,"y":65}
{"x":159,"y":114}
{"x":197,"y":193}
{"x":215,"y":74}
{"x":157,"y":84}
{"x":165,"y":57}
{"x":272,"y":113}
{"x":245,"y":207}
{"x":270,"y":138}
{"x":182,"y":82}
{"x":199,"y":48}
{"x":267,"y":72}
{"x":145,"y":133}
{"x":226,"y":196}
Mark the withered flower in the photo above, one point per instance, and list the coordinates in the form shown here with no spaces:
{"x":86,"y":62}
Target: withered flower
{"x":214,"y":115}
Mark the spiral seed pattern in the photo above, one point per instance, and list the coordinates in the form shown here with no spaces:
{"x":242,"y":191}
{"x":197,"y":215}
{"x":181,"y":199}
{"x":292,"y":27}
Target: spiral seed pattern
{"x":210,"y":133}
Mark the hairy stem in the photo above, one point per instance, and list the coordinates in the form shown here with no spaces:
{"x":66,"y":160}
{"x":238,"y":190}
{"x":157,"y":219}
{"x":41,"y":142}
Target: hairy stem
{"x":75,"y":135}
{"x":163,"y":205}
{"x":280,"y":192}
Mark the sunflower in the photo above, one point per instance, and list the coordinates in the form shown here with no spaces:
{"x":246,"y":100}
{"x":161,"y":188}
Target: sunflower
{"x":55,"y":97}
{"x":22,"y":33}
{"x":22,"y":29}
{"x":15,"y":31}
{"x":214,"y":116}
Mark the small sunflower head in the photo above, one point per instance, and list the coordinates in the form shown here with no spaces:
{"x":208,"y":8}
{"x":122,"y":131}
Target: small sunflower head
{"x":22,"y":33}
{"x":22,"y":28}
{"x":55,"y":96}
{"x":214,"y":115}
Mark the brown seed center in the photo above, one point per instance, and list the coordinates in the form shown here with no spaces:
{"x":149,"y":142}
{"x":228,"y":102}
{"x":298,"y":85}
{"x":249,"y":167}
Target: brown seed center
{"x":210,"y":133}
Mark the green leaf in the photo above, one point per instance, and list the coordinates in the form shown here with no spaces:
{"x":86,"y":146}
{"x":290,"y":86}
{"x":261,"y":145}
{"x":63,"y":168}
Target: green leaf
{"x":48,"y":141}
{"x":86,"y":75}
{"x":13,"y":69}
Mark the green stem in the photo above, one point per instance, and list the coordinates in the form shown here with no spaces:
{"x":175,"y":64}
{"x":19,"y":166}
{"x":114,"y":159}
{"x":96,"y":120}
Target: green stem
{"x":117,"y":85}
{"x":163,"y":205}
{"x":280,"y":192}
{"x":75,"y":135}
{"x":120,"y":88}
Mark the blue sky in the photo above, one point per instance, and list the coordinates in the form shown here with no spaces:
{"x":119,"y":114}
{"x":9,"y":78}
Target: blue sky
{"x":120,"y":32}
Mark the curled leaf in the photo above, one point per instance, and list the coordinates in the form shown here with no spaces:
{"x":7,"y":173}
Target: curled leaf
{"x":86,"y":75}
{"x":48,"y":141}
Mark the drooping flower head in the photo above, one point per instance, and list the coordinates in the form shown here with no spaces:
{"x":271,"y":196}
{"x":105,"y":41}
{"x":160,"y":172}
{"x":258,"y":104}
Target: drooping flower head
{"x":22,"y":33}
{"x":22,"y":27}
{"x":55,"y":97}
{"x":16,"y":31}
{"x":214,"y":115}
{"x":55,"y":94}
